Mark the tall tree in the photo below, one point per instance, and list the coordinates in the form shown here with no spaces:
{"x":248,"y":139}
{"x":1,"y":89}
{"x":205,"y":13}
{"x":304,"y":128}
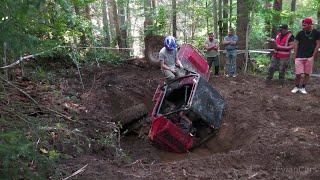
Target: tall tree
{"x":293,"y":9}
{"x":220,"y":21}
{"x":277,"y":7}
{"x":242,"y":21}
{"x":148,"y":20}
{"x":129,"y":34}
{"x":215,"y":17}
{"x":225,"y":17}
{"x":111,"y":19}
{"x":230,"y":12}
{"x":113,"y":4}
{"x":83,"y":40}
{"x":105,"y":21}
{"x":267,"y":18}
{"x":88,"y":31}
{"x":174,"y":18}
{"x":318,"y":13}
{"x":123,"y":24}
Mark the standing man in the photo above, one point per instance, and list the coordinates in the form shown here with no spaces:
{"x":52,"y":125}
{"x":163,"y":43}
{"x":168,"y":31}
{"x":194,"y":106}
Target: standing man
{"x":306,"y":48}
{"x":283,"y":44}
{"x":230,"y":42}
{"x":168,"y":59}
{"x":211,"y":46}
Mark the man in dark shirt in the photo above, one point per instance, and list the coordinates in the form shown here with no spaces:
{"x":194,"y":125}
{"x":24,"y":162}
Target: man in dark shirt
{"x":306,"y":48}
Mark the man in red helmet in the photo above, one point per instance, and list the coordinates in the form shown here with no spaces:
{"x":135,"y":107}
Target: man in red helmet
{"x":306,"y":48}
{"x":283,"y":44}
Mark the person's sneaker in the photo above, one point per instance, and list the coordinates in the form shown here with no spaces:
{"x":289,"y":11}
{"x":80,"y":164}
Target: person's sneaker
{"x":234,"y":75}
{"x":193,"y":131}
{"x":303,"y":91}
{"x":295,"y":90}
{"x":227,"y":75}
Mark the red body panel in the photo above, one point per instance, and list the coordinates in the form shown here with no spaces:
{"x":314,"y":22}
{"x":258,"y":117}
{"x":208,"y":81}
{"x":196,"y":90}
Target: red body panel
{"x":192,"y":59}
{"x":168,"y":136}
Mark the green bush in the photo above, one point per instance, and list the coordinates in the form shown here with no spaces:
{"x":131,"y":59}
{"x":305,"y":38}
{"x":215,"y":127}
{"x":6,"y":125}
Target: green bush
{"x":21,"y":160}
{"x":112,"y":57}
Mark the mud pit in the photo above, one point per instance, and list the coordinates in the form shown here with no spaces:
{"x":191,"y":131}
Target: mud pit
{"x":267,"y":132}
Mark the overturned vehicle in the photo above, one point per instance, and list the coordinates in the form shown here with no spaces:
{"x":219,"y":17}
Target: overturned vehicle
{"x":188,"y":110}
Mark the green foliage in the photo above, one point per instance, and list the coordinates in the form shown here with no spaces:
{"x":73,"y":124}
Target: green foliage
{"x":112,"y":57}
{"x":111,"y":140}
{"x":262,"y":62}
{"x":160,"y":22}
{"x":20,"y":159}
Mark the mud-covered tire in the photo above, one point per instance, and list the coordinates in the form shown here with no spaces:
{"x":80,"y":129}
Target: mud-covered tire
{"x":131,"y":114}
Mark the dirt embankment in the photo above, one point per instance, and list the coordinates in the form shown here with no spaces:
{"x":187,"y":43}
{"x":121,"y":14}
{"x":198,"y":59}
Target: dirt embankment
{"x":267,"y":132}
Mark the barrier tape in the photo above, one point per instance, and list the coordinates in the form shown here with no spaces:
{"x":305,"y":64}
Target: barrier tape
{"x":263,"y":51}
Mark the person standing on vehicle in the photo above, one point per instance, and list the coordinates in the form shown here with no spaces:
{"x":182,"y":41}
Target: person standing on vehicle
{"x":283,"y":44}
{"x":211,"y":46}
{"x":168,"y":59}
{"x":306,"y":48}
{"x":230,"y":42}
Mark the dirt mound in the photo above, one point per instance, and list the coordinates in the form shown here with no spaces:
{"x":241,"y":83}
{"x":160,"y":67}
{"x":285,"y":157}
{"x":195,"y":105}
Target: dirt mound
{"x":267,"y":132}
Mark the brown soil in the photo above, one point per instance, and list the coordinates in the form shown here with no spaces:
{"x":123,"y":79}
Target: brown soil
{"x":267,"y":132}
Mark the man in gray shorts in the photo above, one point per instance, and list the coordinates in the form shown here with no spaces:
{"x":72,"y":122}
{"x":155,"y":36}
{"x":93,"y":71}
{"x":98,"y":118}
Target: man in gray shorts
{"x":211,"y":46}
{"x":168,"y":59}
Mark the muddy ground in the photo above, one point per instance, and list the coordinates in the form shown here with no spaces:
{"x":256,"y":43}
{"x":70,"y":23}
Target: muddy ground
{"x":267,"y":132}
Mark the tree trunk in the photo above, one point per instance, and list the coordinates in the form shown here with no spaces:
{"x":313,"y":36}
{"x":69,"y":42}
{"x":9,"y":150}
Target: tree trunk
{"x":293,"y":9}
{"x":148,"y":21}
{"x":83,"y":40}
{"x":153,"y":4}
{"x":129,"y":43}
{"x":225,"y":17}
{"x":105,"y":21}
{"x":267,"y":27}
{"x":221,"y":35}
{"x":174,"y":18}
{"x":277,"y":6}
{"x":318,"y":14}
{"x":230,"y":12}
{"x":207,"y":20}
{"x":88,"y":33}
{"x":242,"y":27}
{"x":215,"y":19}
{"x":111,"y":19}
{"x":113,"y":4}
{"x":123,"y":26}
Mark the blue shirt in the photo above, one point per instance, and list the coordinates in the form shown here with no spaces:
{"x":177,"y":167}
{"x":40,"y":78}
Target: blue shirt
{"x":231,"y":47}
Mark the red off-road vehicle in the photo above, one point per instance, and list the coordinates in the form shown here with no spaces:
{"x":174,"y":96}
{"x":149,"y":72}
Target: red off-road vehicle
{"x":187,"y":111}
{"x":185,"y":100}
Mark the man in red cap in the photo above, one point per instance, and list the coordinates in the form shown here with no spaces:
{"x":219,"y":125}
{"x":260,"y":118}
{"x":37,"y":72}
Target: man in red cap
{"x":306,"y":48}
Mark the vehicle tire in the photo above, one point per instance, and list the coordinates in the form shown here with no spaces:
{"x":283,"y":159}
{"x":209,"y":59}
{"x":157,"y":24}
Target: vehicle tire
{"x":131,"y":114}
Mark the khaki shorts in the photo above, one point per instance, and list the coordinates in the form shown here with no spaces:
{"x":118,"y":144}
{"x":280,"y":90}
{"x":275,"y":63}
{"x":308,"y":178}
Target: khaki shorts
{"x":170,"y":75}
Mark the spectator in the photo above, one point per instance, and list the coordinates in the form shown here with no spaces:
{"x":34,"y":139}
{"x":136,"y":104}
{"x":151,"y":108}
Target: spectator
{"x":306,"y":48}
{"x":230,"y":42}
{"x":211,"y":46}
{"x":283,"y":44}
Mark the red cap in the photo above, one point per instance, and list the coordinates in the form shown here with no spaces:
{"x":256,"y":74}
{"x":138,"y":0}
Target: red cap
{"x":307,"y":20}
